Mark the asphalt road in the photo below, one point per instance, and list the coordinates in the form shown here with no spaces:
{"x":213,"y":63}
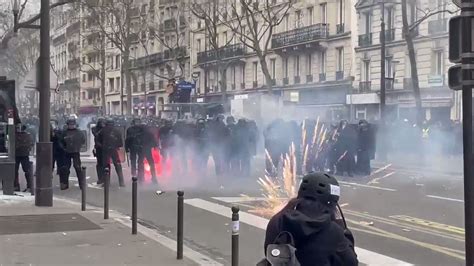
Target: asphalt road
{"x":397,"y":215}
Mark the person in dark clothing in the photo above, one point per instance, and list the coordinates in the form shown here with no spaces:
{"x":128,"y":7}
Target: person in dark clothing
{"x":166,"y":139}
{"x":242,"y":149}
{"x":365,"y":147}
{"x":346,"y":146}
{"x":201,"y":146}
{"x":231,"y":157}
{"x":71,"y":142}
{"x":110,"y":140}
{"x":58,"y":152}
{"x":134,"y":144}
{"x":319,"y":237}
{"x":149,"y":142}
{"x":219,"y":135}
{"x":23,"y":145}
{"x":98,"y":152}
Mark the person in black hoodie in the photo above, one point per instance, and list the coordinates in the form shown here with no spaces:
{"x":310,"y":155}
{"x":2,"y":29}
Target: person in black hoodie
{"x":319,"y":238}
{"x":23,"y":145}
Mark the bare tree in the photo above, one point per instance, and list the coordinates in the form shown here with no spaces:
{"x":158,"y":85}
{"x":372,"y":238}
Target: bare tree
{"x":410,"y":31}
{"x":254,"y":24}
{"x":118,"y":21}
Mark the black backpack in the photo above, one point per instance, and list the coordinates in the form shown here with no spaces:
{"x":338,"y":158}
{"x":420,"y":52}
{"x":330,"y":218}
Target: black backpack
{"x":282,"y":252}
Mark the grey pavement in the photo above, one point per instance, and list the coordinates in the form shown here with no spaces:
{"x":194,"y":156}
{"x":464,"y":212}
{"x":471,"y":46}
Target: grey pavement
{"x":62,"y":236}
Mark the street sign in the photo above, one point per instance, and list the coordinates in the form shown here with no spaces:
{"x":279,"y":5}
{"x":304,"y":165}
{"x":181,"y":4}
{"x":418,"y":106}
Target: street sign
{"x":196,"y":75}
{"x":184,"y":85}
{"x":31,"y":79}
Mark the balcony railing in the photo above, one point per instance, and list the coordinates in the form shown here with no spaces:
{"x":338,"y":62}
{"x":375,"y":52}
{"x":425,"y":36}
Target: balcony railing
{"x":74,"y":63}
{"x":150,"y":60}
{"x":340,"y":28}
{"x":322,"y":77}
{"x":365,"y":39}
{"x":309,"y":78}
{"x":408,"y":84}
{"x":389,"y":84}
{"x":438,"y":26}
{"x":365,"y":86}
{"x":390,"y":35}
{"x":301,"y":35}
{"x":339,"y":75}
{"x":225,"y":52}
{"x":297,"y":79}
{"x":285,"y":81}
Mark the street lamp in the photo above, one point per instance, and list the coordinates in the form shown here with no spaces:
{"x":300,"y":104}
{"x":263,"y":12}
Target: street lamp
{"x":16,"y":12}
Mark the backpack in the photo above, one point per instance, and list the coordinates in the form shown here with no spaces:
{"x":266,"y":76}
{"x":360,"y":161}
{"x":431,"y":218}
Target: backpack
{"x":283,"y":251}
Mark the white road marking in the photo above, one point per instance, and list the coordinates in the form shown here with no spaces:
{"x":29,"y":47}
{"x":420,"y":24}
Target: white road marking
{"x":365,"y":256}
{"x":195,"y":256}
{"x":366,"y":186}
{"x":376,"y":180}
{"x":75,"y":179}
{"x":238,"y":199}
{"x":443,"y":198}
{"x":91,"y":185}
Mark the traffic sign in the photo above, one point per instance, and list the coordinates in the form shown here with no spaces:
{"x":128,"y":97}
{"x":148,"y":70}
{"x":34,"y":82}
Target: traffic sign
{"x":184,"y":85}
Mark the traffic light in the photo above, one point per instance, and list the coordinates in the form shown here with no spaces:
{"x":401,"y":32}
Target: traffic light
{"x":455,"y":77}
{"x":461,"y":52}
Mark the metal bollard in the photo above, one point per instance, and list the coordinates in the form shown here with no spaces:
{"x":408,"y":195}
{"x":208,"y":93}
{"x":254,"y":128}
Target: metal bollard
{"x":32,"y":181}
{"x":180,"y":225}
{"x":134,"y":205}
{"x":83,"y":184}
{"x":106,"y":193}
{"x":235,"y":235}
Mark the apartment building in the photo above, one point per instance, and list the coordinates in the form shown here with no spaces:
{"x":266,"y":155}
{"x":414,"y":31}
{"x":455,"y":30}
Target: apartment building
{"x":310,"y":62}
{"x":65,"y":60}
{"x":431,"y":48}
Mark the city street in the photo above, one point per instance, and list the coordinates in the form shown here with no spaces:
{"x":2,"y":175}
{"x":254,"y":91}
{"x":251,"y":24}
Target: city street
{"x":398,"y":216}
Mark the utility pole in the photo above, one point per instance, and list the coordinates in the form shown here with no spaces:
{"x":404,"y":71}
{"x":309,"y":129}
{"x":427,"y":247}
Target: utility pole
{"x":44,"y":149}
{"x":382,"y":62}
{"x":461,"y":77}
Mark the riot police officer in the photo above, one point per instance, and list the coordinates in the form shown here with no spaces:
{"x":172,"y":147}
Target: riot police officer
{"x":98,"y":152}
{"x":71,"y":142}
{"x":23,"y":145}
{"x":133,"y":143}
{"x":110,"y":140}
{"x":148,"y":144}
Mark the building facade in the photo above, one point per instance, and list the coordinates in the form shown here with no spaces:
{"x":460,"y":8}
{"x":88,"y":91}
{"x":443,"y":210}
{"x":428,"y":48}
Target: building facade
{"x":431,"y":49}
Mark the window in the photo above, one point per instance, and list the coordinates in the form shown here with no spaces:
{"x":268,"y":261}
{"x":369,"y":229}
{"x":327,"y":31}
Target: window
{"x":233,"y":77}
{"x":255,"y":71}
{"x":111,"y":84}
{"x":322,"y":62}
{"x":297,"y":65}
{"x":438,"y":63}
{"x":388,"y":67}
{"x":389,"y":18}
{"x":310,"y":16}
{"x":118,"y":84}
{"x":365,"y":75}
{"x":199,"y":45}
{"x":84,"y":78}
{"x":412,"y":12}
{"x":273,"y":66}
{"x":340,"y":58}
{"x":340,"y":13}
{"x":285,"y":67}
{"x":117,"y":61}
{"x":225,"y":38}
{"x":367,"y":22}
{"x":83,"y":95}
{"x":90,"y":77}
{"x":323,"y":9}
{"x":298,"y":22}
{"x":287,"y":23}
{"x":309,"y":64}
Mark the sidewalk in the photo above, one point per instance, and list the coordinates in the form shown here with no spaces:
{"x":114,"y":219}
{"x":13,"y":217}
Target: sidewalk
{"x":62,"y":235}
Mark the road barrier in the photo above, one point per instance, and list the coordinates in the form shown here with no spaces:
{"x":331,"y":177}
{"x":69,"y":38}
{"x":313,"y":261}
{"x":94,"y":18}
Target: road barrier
{"x":179,"y":248}
{"x":106,"y":192}
{"x":134,"y":205}
{"x":235,"y":235}
{"x":83,"y":185}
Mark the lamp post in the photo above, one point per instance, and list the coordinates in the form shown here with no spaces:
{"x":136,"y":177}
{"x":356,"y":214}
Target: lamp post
{"x":44,"y":173}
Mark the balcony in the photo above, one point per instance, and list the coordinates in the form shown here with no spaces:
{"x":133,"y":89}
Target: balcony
{"x":340,"y":28}
{"x":364,"y":86}
{"x":389,"y":35}
{"x":300,"y":36}
{"x":322,"y":77}
{"x":177,"y":52}
{"x":339,"y":75}
{"x":285,"y":81}
{"x":389,"y":84}
{"x":74,"y":63}
{"x":170,"y":24}
{"x":225,"y":52}
{"x":408,"y":84}
{"x":297,"y":79}
{"x":365,"y":39}
{"x":73,"y":28}
{"x":168,"y":2}
{"x":254,"y":84}
{"x":438,"y":26}
{"x":309,"y":78}
{"x":274,"y":82}
{"x":146,"y":61}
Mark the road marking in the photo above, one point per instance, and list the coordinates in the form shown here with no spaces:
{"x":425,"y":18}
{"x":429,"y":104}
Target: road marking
{"x":443,"y":198}
{"x":91,"y":185}
{"x":365,"y":256}
{"x":75,"y":179}
{"x":376,"y":180}
{"x":367,"y":186}
{"x":189,"y":253}
{"x":238,"y":199}
{"x":431,"y":224}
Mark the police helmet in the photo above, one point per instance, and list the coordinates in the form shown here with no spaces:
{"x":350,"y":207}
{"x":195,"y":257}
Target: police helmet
{"x":109,"y":122}
{"x":136,"y":121}
{"x":71,"y":121}
{"x":321,"y":187}
{"x":230,"y":120}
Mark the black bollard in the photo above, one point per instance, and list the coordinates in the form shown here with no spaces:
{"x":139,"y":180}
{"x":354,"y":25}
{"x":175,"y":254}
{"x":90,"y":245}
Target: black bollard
{"x":235,"y":235}
{"x":134,"y":205}
{"x":180,"y":225}
{"x":83,"y":183}
{"x":106,"y":193}
{"x":32,"y":181}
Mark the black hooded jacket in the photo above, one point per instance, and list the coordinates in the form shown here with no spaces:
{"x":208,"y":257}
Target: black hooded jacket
{"x":319,"y":239}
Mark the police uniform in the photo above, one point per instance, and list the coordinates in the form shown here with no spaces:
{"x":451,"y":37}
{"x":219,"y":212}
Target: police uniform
{"x":71,"y":142}
{"x":23,"y":145}
{"x":110,"y":140}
